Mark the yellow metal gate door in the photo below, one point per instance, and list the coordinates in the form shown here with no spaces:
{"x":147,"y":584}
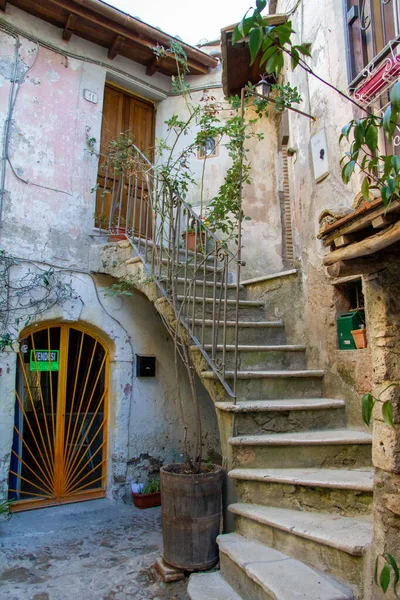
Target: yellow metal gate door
{"x":60,"y":426}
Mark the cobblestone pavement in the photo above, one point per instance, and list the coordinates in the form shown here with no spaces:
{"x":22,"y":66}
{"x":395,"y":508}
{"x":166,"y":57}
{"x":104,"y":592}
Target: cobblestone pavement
{"x":95,"y":550}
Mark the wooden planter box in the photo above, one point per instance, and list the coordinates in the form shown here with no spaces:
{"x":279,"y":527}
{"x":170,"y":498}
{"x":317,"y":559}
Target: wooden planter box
{"x":147,"y":500}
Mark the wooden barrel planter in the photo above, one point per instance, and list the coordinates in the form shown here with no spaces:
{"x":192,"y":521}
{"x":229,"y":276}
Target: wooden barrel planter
{"x":191,"y":516}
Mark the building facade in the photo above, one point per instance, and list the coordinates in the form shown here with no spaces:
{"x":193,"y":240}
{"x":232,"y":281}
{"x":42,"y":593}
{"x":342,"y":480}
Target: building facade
{"x":76,"y":419}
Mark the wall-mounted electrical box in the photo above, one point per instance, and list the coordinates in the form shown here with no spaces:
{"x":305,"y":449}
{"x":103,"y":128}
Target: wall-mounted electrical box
{"x":145,"y":366}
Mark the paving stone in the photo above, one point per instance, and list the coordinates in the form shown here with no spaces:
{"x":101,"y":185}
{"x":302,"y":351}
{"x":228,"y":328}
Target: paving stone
{"x":96,"y":550}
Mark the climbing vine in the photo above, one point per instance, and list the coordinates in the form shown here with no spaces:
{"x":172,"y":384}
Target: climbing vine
{"x":207,"y":120}
{"x":380,"y":170}
{"x":26,"y":293}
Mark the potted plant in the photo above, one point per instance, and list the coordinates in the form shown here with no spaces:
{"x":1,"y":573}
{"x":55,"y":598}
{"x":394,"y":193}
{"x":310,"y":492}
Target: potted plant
{"x":101,"y":221}
{"x":194,"y":236}
{"x":360,"y":337}
{"x":118,"y":229}
{"x":146,"y":496}
{"x":191,"y":514}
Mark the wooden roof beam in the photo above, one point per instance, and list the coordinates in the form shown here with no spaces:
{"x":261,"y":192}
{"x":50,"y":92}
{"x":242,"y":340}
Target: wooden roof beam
{"x":130,"y":28}
{"x":356,"y":266}
{"x":69,"y":27}
{"x":116,"y":47}
{"x":370,"y":245}
{"x":152,"y":67}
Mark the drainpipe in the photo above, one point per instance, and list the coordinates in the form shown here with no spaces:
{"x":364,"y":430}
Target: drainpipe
{"x":7,"y":123}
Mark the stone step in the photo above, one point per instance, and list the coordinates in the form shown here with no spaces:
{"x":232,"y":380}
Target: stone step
{"x":337,"y":491}
{"x":210,"y":283}
{"x":210,"y":586}
{"x":242,"y":303}
{"x":250,"y":310}
{"x":142,"y":242}
{"x":273,"y":374}
{"x":344,"y":540}
{"x":280,"y":416}
{"x":284,"y":405}
{"x":259,"y":572}
{"x":204,"y":286}
{"x":250,"y":332}
{"x":309,"y":449}
{"x":261,"y":357}
{"x":274,"y":383}
{"x":189,"y":266}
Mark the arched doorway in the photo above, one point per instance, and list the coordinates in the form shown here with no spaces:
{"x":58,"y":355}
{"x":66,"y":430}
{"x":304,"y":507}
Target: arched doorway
{"x":60,"y":427}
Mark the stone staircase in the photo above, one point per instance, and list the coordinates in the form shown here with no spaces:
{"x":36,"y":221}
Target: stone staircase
{"x":299,"y":481}
{"x":303,"y":480}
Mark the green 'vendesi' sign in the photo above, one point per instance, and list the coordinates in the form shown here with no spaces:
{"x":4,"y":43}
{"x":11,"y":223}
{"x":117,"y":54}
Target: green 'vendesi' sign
{"x":44,"y":360}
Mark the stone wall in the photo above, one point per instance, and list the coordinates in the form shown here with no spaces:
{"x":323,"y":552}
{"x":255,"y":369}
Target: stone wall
{"x":383,"y":304}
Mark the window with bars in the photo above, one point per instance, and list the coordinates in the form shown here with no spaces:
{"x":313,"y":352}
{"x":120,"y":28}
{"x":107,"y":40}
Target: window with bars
{"x":372,"y":30}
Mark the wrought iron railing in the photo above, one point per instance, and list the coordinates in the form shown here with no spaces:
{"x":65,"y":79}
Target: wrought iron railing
{"x":187,"y":261}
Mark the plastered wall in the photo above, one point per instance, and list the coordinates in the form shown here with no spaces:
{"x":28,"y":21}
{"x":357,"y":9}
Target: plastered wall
{"x":348,"y":373}
{"x":48,"y":218}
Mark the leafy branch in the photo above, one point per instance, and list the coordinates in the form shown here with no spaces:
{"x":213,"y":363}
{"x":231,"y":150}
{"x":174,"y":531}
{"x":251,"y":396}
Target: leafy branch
{"x":273,"y":42}
{"x":390,"y":567}
{"x":367,"y":406}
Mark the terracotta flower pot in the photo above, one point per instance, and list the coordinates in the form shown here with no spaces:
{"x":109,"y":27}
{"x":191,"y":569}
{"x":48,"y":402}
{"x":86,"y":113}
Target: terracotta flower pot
{"x":189,"y":238}
{"x":147,"y":500}
{"x":360,"y":338}
{"x":117,"y":234}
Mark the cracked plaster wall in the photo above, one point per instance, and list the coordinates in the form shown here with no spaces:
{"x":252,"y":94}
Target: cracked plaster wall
{"x":145,"y":429}
{"x":350,"y":373}
{"x":262,"y":235}
{"x":48,"y":148}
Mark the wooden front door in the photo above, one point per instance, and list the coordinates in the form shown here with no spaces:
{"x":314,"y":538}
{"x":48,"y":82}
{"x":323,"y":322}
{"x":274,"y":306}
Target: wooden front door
{"x":130,"y":117}
{"x":60,"y":435}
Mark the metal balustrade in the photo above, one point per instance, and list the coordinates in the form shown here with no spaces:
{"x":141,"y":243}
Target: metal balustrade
{"x":186,"y":260}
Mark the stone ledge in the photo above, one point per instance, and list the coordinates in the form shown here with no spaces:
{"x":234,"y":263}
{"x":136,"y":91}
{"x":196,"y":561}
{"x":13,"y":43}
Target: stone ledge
{"x":279,"y":275}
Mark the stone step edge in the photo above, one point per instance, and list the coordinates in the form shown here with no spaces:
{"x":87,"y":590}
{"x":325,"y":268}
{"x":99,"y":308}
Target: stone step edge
{"x":208,"y":283}
{"x":254,"y":348}
{"x":353,"y":536}
{"x":270,"y":277}
{"x":247,"y":324}
{"x":328,"y":478}
{"x":266,"y":374}
{"x":264,"y":565}
{"x":231,"y":302}
{"x":283,"y":405}
{"x":210,"y":586}
{"x":328,"y":437}
{"x":207,"y":267}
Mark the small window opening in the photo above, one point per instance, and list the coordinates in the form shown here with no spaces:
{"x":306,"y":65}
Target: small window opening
{"x":350,"y":314}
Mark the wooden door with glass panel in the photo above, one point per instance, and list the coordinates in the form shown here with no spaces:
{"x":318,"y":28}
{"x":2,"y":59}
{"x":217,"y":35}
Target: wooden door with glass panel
{"x":58,"y":453}
{"x":120,"y":198}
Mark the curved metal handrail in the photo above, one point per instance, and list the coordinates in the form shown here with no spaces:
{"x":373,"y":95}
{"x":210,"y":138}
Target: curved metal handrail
{"x":146,"y":209}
